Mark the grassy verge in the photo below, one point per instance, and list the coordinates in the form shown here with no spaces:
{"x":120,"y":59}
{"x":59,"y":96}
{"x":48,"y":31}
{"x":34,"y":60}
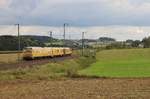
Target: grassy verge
{"x":66,"y":68}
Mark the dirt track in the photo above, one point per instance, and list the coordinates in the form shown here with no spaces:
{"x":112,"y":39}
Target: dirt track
{"x":77,"y":89}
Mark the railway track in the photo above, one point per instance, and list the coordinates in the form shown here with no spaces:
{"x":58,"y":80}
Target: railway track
{"x":31,"y":63}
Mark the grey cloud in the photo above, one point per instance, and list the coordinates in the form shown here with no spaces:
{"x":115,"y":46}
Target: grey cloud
{"x":139,"y":2}
{"x":79,"y":12}
{"x":22,"y":6}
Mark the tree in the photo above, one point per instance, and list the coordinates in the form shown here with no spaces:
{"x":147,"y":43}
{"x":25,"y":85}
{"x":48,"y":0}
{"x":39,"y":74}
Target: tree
{"x":146,"y":42}
{"x":136,"y":43}
{"x":106,"y":39}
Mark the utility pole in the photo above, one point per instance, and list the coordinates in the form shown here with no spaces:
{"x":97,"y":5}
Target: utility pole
{"x":83,"y":43}
{"x":65,"y":24}
{"x":69,"y":37}
{"x":51,"y":39}
{"x":64,"y":35}
{"x":19,"y":48}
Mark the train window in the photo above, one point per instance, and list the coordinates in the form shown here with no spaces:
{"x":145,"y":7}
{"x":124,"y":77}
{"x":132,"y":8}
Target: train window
{"x":27,"y":49}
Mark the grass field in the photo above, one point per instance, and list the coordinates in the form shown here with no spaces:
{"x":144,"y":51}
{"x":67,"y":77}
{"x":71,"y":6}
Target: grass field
{"x":120,"y":63}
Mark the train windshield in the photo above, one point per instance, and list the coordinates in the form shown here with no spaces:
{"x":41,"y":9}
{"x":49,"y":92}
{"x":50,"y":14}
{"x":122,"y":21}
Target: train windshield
{"x":27,"y":49}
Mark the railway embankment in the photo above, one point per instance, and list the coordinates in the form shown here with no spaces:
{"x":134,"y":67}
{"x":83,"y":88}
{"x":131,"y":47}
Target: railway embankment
{"x":56,"y":68}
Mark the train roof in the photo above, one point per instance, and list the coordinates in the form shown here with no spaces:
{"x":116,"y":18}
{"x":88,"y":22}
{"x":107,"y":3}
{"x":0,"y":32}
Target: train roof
{"x":44,"y":47}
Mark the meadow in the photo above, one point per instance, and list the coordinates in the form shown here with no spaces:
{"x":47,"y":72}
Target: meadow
{"x":120,"y":63}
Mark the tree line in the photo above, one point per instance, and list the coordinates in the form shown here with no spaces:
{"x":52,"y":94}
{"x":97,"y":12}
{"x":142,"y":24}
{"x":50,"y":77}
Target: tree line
{"x":10,"y":43}
{"x":145,"y":43}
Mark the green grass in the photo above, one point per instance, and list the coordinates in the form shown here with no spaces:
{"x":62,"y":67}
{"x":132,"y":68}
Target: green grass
{"x":120,"y":63}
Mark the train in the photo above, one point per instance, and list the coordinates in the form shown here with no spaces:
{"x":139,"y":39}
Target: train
{"x":42,"y":52}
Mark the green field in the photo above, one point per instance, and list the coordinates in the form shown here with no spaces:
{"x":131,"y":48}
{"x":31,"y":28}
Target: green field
{"x":120,"y":63}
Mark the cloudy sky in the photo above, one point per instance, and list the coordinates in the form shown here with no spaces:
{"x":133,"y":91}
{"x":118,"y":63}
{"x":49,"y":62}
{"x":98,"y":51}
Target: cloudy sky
{"x":120,"y":19}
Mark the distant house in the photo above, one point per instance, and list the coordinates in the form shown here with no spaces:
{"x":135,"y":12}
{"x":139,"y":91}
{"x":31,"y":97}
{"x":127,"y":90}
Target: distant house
{"x":141,"y":45}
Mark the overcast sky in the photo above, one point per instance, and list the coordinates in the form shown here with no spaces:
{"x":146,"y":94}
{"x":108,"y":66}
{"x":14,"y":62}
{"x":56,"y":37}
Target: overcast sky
{"x":121,"y":19}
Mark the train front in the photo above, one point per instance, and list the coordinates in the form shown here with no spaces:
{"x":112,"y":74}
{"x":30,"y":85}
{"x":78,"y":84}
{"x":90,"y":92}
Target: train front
{"x":27,"y":53}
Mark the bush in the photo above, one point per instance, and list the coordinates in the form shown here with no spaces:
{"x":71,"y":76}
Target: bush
{"x":71,"y":72}
{"x":84,"y":62}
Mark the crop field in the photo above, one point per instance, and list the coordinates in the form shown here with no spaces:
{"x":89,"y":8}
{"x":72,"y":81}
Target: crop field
{"x":120,"y":63}
{"x":8,"y":58}
{"x":76,"y":89}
